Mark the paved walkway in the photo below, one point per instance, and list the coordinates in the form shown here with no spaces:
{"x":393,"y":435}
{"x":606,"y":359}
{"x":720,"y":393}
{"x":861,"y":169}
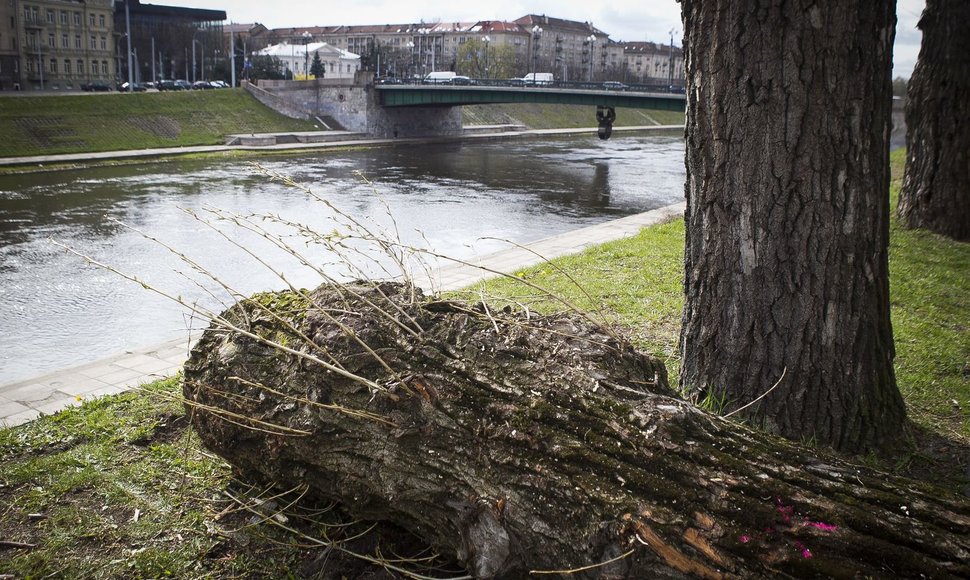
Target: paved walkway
{"x":337,"y":139}
{"x":23,"y":401}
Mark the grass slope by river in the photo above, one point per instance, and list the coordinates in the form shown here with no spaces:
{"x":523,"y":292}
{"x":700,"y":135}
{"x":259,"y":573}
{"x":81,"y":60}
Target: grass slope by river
{"x":120,"y":487}
{"x":46,"y":125}
{"x":547,"y":116}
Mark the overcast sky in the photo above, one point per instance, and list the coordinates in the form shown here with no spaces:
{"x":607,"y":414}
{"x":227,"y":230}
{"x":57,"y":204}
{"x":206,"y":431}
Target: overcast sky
{"x":623,"y":19}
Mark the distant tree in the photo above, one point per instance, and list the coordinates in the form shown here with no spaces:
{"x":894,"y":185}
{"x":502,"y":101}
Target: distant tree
{"x":899,"y":87}
{"x":471,"y":60}
{"x":267,"y":67}
{"x":936,"y":186}
{"x":786,"y":315}
{"x":316,"y":67}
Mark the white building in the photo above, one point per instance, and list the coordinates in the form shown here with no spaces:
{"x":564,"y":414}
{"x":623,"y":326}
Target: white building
{"x":298,"y":59}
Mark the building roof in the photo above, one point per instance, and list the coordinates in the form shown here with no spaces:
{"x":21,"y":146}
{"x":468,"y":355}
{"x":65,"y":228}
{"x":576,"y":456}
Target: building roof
{"x":650,"y":48}
{"x":480,"y":27}
{"x":250,"y":28}
{"x":197,"y":14}
{"x":541,"y":20}
{"x":497,"y":27}
{"x":285,"y":49}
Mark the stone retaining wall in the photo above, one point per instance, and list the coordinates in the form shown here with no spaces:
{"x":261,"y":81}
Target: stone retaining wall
{"x":355,"y":106}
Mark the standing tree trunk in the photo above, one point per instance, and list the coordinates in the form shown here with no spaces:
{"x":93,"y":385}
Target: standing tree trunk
{"x":936,"y":187}
{"x":788,"y":116}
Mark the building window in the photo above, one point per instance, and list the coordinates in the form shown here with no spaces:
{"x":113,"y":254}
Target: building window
{"x":64,"y":17}
{"x":80,"y":67}
{"x":77,"y":41}
{"x":30,"y":66}
{"x":90,"y":19}
{"x":94,"y":42}
{"x":50,"y":17}
{"x":104,"y":67}
{"x":77,"y":19}
{"x":50,"y":40}
{"x":101,"y":20}
{"x":104,"y":43}
{"x":53,"y":69}
{"x":26,"y":13}
{"x":64,"y":43}
{"x":67,"y":67}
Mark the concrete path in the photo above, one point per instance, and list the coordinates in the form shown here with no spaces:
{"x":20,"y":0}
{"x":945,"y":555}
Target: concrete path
{"x":23,"y":401}
{"x":338,"y":139}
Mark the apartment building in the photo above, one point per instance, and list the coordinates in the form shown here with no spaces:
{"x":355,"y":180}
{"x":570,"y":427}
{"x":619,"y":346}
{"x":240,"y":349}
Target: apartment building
{"x":55,"y":44}
{"x":653,"y":63}
{"x":571,"y":50}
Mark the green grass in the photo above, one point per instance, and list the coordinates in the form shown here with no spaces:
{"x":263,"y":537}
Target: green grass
{"x":118,"y":488}
{"x":639,"y":281}
{"x":930,"y":293}
{"x":546,"y":116}
{"x":109,"y":122}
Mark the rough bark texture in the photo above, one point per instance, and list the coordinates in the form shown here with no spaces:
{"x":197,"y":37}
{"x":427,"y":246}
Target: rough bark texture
{"x":936,"y":187}
{"x":787,"y":216}
{"x":543,"y":444}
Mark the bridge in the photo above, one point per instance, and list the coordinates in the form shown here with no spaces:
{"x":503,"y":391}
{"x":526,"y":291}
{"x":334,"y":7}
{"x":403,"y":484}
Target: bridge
{"x":604,"y":96}
{"x":393,"y":108}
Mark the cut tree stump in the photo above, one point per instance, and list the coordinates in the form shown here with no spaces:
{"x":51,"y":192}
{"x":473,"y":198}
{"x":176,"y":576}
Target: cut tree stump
{"x":526,"y":444}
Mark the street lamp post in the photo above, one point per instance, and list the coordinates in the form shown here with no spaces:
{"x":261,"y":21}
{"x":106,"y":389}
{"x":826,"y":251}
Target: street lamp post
{"x":536,"y":34}
{"x":670,"y":65}
{"x":131,"y":78}
{"x":591,"y":39}
{"x":306,"y":54}
{"x":410,"y":47}
{"x":487,"y":40}
{"x":194,"y":76}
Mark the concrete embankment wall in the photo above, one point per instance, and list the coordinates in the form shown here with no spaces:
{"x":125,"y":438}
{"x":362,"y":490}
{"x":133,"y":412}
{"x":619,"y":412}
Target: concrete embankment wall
{"x":354,"y":104}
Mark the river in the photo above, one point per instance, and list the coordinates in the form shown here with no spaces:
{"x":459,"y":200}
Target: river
{"x":58,"y":310}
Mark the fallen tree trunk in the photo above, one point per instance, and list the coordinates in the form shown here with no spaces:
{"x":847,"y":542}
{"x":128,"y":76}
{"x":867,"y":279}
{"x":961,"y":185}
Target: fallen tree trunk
{"x":534,"y":444}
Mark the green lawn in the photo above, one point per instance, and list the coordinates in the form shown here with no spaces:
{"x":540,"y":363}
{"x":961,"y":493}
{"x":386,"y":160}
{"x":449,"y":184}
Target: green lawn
{"x":117,"y":121}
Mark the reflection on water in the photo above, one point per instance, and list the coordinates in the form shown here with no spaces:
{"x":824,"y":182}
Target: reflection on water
{"x":59,"y":311}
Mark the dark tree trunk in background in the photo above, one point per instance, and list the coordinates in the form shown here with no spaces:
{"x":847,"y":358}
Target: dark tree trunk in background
{"x":787,"y":216}
{"x":543,"y":443}
{"x":936,"y":187}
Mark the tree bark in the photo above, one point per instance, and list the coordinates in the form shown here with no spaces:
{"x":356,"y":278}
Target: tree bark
{"x":522,"y":443}
{"x":786,"y":284}
{"x":936,"y":185}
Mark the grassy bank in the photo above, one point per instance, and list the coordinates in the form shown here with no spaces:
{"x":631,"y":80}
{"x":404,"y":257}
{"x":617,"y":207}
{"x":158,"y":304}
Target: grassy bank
{"x":120,"y":487}
{"x":48,"y":125}
{"x":111,"y":122}
{"x":545,"y":116}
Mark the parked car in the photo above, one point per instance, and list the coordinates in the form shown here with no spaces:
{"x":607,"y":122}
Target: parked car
{"x":201,"y":86}
{"x":171,"y":85}
{"x":96,"y":87}
{"x":218,"y":84}
{"x":136,"y":87}
{"x":614,"y":86}
{"x":462,"y":80}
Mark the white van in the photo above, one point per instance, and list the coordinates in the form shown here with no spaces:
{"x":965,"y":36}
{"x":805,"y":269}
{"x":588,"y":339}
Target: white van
{"x":444,"y":77}
{"x":538,"y":79}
